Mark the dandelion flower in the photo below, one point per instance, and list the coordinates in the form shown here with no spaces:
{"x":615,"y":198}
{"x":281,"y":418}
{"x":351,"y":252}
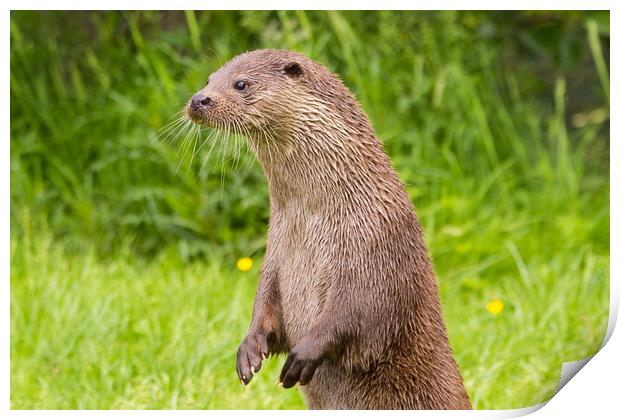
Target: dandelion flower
{"x":245,"y":264}
{"x":495,"y":306}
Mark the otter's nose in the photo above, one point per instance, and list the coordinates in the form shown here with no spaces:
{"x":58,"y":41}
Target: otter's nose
{"x":199,"y":101}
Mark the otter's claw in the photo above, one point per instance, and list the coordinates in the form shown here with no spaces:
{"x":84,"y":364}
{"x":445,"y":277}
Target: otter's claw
{"x":300,"y":366}
{"x":250,"y":355}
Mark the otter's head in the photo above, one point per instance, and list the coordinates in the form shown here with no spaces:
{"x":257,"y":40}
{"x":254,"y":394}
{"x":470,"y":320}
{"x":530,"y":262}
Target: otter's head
{"x":254,"y":93}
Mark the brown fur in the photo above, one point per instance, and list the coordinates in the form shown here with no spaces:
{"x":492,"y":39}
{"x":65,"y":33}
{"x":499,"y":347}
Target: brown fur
{"x":347,"y":287}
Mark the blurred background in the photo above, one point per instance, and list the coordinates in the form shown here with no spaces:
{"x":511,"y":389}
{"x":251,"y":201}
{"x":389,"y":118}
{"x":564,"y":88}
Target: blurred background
{"x":134,"y":260}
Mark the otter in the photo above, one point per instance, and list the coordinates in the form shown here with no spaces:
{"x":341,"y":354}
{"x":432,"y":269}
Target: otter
{"x":347,"y":287}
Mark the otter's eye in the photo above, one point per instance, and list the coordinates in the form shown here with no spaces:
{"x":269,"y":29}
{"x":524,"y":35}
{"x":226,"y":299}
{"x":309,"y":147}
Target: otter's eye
{"x":240,"y":85}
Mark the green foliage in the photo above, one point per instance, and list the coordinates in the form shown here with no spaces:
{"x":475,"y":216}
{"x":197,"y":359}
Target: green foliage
{"x":90,"y":90}
{"x":123,"y":245}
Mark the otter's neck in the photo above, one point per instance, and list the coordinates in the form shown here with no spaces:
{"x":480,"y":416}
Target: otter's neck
{"x":329,"y":166}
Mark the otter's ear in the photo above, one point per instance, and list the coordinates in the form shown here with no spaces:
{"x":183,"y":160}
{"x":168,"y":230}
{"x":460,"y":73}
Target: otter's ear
{"x":293,"y":69}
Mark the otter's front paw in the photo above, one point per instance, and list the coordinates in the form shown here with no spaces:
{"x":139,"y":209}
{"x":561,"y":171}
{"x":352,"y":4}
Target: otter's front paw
{"x":300,"y":365}
{"x":252,"y":351}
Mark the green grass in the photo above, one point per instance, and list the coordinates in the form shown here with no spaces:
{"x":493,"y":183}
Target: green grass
{"x":130,"y":334}
{"x":121,"y":334}
{"x":124,"y":291}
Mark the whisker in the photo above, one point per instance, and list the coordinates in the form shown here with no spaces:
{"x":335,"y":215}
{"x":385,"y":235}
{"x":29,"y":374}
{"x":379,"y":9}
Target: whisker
{"x":183,"y":131}
{"x":168,"y":131}
{"x":175,"y":118}
{"x":185,"y":140}
{"x":245,"y":148}
{"x":223,"y":166}
{"x":237,"y":146}
{"x":195,"y":139}
{"x":215,"y":135}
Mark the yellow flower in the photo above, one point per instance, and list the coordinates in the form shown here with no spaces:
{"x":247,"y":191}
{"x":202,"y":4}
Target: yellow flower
{"x":495,"y":307}
{"x":245,"y":264}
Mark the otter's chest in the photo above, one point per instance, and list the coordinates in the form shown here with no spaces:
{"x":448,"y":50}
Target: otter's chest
{"x":305,"y":257}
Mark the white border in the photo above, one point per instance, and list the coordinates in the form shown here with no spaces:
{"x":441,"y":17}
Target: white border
{"x":595,"y":384}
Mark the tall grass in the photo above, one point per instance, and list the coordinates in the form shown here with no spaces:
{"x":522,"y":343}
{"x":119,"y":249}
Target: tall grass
{"x":87,"y":100}
{"x":501,"y":144}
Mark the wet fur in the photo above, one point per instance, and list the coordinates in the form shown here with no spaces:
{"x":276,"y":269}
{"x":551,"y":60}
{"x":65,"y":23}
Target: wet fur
{"x":347,"y":286}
